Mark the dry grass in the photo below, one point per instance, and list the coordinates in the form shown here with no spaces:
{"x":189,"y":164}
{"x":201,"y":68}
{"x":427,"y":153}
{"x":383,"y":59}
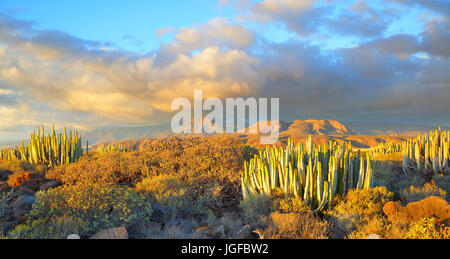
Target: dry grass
{"x":295,"y":226}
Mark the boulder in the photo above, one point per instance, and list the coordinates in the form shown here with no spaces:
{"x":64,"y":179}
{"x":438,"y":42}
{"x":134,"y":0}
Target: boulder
{"x":112,"y":233}
{"x":49,"y":185}
{"x":73,"y":236}
{"x":432,"y":207}
{"x":373,"y":236}
{"x":159,"y":213}
{"x":5,"y":174}
{"x":22,"y":205}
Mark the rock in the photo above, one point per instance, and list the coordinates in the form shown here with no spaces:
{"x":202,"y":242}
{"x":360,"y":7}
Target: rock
{"x":49,"y":185}
{"x":159,"y":213}
{"x":432,"y":207}
{"x":22,"y":205}
{"x":4,"y":175}
{"x":73,"y":236}
{"x":112,"y":233}
{"x":373,"y":236}
{"x":151,"y":230}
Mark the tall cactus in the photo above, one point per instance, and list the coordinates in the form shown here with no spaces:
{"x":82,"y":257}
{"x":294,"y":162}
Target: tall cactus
{"x":51,"y":150}
{"x":427,"y":152}
{"x":314,"y":173}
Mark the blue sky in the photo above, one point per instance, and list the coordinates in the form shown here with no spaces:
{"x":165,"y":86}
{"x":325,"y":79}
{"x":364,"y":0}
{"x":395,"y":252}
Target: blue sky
{"x":133,"y":25}
{"x":116,"y":21}
{"x":93,"y":64}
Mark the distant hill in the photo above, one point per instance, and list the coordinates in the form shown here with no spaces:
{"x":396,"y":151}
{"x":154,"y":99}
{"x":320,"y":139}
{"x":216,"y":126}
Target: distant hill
{"x":126,"y":133}
{"x":318,"y":127}
{"x":391,"y":129}
{"x":362,"y":134}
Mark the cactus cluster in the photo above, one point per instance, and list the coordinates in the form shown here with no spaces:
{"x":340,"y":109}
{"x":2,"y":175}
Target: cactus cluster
{"x":51,"y":150}
{"x":385,"y":148}
{"x":111,"y":149}
{"x":315,"y":173}
{"x":427,"y":152}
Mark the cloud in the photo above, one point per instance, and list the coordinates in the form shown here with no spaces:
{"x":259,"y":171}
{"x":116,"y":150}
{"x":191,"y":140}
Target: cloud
{"x":218,"y":32}
{"x":439,"y":6}
{"x":53,"y":77}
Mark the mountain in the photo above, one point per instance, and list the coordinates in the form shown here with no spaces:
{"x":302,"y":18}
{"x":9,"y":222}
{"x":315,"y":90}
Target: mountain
{"x":391,"y":129}
{"x":361,"y":134}
{"x":319,"y":127}
{"x":126,"y":133}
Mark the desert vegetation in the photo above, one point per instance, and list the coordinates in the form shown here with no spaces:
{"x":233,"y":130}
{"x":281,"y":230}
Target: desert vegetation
{"x":221,"y":187}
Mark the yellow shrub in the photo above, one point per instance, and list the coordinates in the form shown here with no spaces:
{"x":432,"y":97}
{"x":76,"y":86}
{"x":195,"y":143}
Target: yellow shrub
{"x":419,"y":193}
{"x":427,"y":228}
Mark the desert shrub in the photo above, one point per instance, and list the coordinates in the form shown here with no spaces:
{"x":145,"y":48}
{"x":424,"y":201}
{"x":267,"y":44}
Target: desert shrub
{"x":18,"y":178}
{"x":419,"y":193}
{"x":427,"y":228}
{"x":364,"y":202}
{"x":357,"y":209}
{"x":168,"y":191}
{"x":443,"y":182}
{"x":257,"y":208}
{"x":99,"y":207}
{"x":106,"y":169}
{"x":295,"y":226}
{"x":17,"y":166}
{"x":45,"y":228}
{"x":290,"y":204}
{"x":378,"y":225}
{"x":209,"y":166}
{"x":4,"y":197}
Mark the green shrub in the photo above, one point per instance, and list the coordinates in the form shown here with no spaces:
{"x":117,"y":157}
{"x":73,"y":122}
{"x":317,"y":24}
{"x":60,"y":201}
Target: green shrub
{"x":257,"y":208}
{"x":98,"y":207}
{"x":168,"y":191}
{"x":45,"y":228}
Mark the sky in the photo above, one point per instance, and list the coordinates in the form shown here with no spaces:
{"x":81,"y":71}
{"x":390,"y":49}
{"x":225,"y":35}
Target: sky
{"x":95,"y":64}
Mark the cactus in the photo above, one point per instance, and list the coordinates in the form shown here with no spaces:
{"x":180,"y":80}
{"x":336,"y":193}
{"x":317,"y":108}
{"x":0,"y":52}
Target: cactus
{"x":427,"y":152}
{"x":51,"y":150}
{"x":111,"y":149}
{"x":314,"y":173}
{"x":384,"y":149}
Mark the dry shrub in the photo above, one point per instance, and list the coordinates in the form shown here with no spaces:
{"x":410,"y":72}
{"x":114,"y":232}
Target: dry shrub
{"x":19,"y":178}
{"x":419,"y":193}
{"x":295,"y":226}
{"x":168,"y":191}
{"x":357,"y":209}
{"x":428,"y":228}
{"x":17,"y":166}
{"x":364,"y":202}
{"x":107,"y":169}
{"x":256,"y":209}
{"x":290,"y":204}
{"x":210,"y":166}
